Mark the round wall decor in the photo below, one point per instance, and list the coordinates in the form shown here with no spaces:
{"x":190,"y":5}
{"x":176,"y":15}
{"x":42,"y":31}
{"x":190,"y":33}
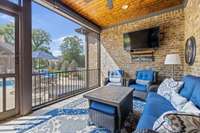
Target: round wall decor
{"x":190,"y":50}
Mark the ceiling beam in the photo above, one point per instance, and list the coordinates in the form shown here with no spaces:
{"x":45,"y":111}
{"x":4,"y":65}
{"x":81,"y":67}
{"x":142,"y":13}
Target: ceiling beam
{"x":61,"y":9}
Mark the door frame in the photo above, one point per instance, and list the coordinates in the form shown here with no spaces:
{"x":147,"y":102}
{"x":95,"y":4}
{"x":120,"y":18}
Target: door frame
{"x":12,"y":10}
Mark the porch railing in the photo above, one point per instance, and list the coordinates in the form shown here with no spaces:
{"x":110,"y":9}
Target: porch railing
{"x":49,"y":87}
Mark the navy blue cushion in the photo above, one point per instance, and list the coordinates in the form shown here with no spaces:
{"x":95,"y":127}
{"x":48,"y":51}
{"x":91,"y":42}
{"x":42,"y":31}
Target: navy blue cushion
{"x":155,"y":106}
{"x":145,"y":75}
{"x":146,"y":122}
{"x":110,"y":110}
{"x":138,"y":87}
{"x":195,"y":98}
{"x":189,"y":84}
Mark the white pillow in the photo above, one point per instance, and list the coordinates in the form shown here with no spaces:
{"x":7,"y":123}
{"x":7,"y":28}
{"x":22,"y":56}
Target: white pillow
{"x":143,"y":82}
{"x":189,"y":107}
{"x":115,"y":80}
{"x":168,"y":86}
{"x":178,"y":101}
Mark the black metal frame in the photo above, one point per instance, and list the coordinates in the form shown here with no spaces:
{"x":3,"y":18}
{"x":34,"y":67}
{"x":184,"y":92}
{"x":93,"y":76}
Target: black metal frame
{"x":60,"y":85}
{"x":24,"y":51}
{"x":13,"y":10}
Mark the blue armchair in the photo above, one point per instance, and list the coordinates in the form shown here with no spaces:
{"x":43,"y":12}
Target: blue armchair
{"x":144,"y":79}
{"x":115,"y":77}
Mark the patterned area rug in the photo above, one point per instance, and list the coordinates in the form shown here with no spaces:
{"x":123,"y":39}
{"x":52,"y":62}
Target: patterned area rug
{"x":71,"y":118}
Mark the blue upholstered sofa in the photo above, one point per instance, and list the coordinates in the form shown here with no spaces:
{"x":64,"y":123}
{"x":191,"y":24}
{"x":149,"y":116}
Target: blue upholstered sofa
{"x":144,"y":79}
{"x":156,"y":105}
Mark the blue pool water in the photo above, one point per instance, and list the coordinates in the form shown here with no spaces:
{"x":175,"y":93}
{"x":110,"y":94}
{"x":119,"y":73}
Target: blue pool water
{"x":9,"y":84}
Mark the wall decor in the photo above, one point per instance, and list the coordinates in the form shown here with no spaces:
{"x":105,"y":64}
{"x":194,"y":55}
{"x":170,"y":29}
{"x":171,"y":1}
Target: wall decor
{"x":190,"y":51}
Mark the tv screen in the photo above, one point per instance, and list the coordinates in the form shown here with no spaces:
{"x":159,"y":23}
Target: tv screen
{"x":148,"y":38}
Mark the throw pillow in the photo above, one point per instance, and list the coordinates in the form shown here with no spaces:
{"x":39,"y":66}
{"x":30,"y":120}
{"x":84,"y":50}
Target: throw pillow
{"x":189,"y":107}
{"x":143,"y":82}
{"x":168,"y":86}
{"x":115,"y":80}
{"x":178,"y":101}
{"x":160,"y":120}
{"x":177,"y":122}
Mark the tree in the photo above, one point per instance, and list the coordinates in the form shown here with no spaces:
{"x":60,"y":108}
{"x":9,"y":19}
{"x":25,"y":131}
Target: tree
{"x":71,"y":50}
{"x":8,"y":32}
{"x":40,"y":40}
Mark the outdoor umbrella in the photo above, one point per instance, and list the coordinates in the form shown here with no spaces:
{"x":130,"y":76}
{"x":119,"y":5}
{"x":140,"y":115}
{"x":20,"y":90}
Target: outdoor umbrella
{"x":42,"y":55}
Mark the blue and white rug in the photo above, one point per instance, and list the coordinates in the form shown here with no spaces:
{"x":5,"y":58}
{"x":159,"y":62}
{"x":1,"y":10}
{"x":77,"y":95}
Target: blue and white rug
{"x":70,"y":118}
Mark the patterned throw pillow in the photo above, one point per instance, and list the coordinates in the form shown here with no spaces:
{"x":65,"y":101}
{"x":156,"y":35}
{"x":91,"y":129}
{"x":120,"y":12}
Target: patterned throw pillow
{"x":177,"y":122}
{"x":168,"y":86}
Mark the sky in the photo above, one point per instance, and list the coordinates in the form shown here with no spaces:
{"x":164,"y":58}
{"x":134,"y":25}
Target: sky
{"x":57,"y":26}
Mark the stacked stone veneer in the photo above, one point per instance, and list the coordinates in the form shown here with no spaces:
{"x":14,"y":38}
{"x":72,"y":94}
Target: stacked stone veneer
{"x":192,"y":28}
{"x":172,"y":40}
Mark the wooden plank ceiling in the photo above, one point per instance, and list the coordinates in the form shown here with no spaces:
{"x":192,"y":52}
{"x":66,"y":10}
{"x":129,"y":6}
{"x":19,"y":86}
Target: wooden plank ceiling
{"x":98,"y":12}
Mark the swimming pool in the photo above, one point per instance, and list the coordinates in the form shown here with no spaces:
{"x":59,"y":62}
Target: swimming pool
{"x":9,"y":84}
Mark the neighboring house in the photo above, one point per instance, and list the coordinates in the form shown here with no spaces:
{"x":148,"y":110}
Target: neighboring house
{"x":7,"y":57}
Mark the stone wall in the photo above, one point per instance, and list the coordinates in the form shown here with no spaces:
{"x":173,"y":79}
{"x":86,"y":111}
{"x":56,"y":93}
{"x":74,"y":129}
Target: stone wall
{"x":92,"y":59}
{"x":172,"y":40}
{"x":192,"y":28}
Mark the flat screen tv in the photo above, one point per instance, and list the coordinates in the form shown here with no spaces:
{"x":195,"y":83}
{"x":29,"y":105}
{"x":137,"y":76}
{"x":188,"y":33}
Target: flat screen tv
{"x":143,"y":39}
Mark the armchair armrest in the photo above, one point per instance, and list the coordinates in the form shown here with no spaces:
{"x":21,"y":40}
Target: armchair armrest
{"x":131,"y":81}
{"x":106,"y":81}
{"x":153,"y":88}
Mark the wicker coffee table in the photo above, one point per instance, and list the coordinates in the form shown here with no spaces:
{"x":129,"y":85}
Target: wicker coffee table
{"x":116,"y":96}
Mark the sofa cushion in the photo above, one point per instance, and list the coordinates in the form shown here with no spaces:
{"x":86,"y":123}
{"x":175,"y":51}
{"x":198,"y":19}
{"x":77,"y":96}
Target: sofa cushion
{"x":145,"y":75}
{"x":157,"y":105}
{"x":139,"y":87}
{"x":146,"y":122}
{"x":195,"y":98}
{"x":107,"y":109}
{"x":189,"y":84}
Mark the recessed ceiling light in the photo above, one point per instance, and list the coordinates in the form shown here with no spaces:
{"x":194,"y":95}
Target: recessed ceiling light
{"x":124,"y":7}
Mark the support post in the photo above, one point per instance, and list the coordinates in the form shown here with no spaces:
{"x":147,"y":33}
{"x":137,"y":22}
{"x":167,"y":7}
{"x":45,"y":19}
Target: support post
{"x":99,"y":59}
{"x":87,"y":61}
{"x":25,"y":62}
